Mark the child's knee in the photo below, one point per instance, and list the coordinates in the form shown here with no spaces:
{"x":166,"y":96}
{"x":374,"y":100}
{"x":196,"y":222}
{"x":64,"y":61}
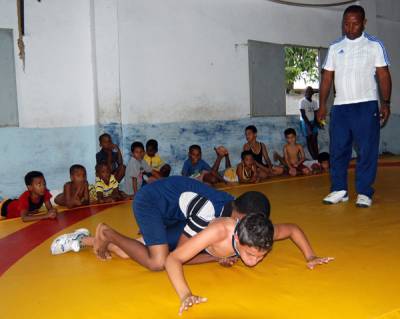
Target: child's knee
{"x":157,"y":265}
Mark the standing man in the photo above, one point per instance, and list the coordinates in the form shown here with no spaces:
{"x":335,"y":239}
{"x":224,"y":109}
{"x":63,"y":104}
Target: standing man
{"x":309,"y":125}
{"x":356,"y":62}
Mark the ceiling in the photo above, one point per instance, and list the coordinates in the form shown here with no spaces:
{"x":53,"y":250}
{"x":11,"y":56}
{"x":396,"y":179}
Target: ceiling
{"x":318,"y":3}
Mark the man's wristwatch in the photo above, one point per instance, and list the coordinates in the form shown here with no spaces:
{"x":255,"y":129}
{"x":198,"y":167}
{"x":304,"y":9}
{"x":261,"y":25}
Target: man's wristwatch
{"x":386,"y":102}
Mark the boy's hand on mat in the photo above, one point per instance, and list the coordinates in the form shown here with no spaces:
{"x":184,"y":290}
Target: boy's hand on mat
{"x":52,"y":213}
{"x":190,"y":301}
{"x":315,"y":261}
{"x":228,"y":262}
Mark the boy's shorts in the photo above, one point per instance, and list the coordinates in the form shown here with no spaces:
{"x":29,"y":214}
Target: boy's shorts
{"x":152,"y":226}
{"x":303,"y":127}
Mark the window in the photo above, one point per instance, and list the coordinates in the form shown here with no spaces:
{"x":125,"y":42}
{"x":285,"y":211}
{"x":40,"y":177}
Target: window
{"x":8,"y":90}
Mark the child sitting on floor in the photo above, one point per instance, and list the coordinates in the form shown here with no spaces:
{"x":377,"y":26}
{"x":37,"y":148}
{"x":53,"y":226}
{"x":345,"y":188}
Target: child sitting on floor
{"x":106,"y":185}
{"x":28,"y":204}
{"x":111,"y":154}
{"x":136,"y":170}
{"x":197,"y":168}
{"x":155,"y":161}
{"x":294,"y":154}
{"x":249,"y":171}
{"x":260,"y":152}
{"x":76,"y":192}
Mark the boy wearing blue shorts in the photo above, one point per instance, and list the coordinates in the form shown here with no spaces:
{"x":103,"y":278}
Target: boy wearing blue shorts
{"x":169,"y":212}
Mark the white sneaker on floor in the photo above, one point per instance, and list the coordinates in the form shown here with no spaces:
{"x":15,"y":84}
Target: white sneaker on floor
{"x":363,"y":201}
{"x":336,"y":197}
{"x":68,"y":242}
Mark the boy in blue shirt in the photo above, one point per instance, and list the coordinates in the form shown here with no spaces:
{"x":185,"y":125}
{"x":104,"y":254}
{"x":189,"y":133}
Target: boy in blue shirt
{"x":196,"y":167}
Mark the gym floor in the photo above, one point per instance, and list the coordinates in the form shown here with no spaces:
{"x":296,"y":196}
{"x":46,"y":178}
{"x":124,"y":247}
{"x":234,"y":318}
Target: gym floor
{"x":363,"y":281}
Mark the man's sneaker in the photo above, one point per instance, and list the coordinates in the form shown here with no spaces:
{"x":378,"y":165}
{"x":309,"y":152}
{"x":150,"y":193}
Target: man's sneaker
{"x":363,"y":201}
{"x":68,"y":242}
{"x":336,"y":197}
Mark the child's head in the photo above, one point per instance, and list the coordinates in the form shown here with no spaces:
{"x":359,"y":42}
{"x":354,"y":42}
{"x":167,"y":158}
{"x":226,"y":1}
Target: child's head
{"x":194,"y":153}
{"x":105,"y":141}
{"x":35,"y":183}
{"x":254,"y":237}
{"x":251,"y":133}
{"x":77,"y":173}
{"x":137,"y":149}
{"x":103,"y":172}
{"x":309,"y":92}
{"x":251,"y":202}
{"x":151,"y":148}
{"x":247,"y":158}
{"x":290,"y":135}
{"x":323,"y":159}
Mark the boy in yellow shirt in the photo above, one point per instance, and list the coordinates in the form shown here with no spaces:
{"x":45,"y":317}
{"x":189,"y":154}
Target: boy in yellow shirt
{"x":155,"y":161}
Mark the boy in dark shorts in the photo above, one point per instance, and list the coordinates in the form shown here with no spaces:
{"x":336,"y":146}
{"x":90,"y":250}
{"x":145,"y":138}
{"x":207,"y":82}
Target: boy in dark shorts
{"x":169,"y":211}
{"x":76,"y":192}
{"x":28,"y":204}
{"x":111,"y":154}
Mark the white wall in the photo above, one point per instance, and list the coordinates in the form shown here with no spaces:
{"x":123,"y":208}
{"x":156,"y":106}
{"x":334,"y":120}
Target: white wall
{"x":188,"y":60}
{"x":58,"y":71}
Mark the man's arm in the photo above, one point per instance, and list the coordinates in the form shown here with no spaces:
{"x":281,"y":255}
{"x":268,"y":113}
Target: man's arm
{"x":324,"y":89}
{"x":385,"y":85}
{"x":304,"y":117}
{"x":297,"y":236}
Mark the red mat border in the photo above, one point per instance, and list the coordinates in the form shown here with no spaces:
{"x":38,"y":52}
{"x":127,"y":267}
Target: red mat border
{"x":16,"y":245}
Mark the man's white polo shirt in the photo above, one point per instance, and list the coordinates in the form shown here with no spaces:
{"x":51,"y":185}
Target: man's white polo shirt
{"x":354,"y":63}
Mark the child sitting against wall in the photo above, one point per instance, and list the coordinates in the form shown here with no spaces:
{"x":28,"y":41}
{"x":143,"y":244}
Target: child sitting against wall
{"x":160,"y":169}
{"x":249,"y":170}
{"x":75,"y":192}
{"x":196,"y":167}
{"x":294,"y":154}
{"x":111,"y":154}
{"x":107,"y":190}
{"x":27,"y":206}
{"x":136,"y":170}
{"x":260,"y":152}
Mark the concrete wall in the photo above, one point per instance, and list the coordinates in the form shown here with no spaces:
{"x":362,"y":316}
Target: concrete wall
{"x":176,"y":71}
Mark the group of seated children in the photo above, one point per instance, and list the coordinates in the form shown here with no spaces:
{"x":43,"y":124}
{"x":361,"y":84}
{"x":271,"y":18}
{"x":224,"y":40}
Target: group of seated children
{"x":115,"y":181}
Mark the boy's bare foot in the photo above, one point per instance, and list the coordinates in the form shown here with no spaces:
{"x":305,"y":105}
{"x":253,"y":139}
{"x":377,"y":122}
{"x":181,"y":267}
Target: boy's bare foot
{"x":100,"y":242}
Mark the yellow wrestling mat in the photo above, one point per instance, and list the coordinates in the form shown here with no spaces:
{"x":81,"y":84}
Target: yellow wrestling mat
{"x":363,"y":281}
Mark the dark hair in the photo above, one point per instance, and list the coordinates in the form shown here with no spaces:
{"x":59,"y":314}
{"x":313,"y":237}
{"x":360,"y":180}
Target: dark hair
{"x":137,"y":145}
{"x":252,"y":202}
{"x":153,"y":144}
{"x":289,"y":131}
{"x":30,"y":176}
{"x":246,"y":153}
{"x":322,"y":157}
{"x":355,"y":9}
{"x":76,"y":167}
{"x":255,"y":230}
{"x":103,"y":136}
{"x":194,"y":147}
{"x":100,"y":165}
{"x":251,"y":128}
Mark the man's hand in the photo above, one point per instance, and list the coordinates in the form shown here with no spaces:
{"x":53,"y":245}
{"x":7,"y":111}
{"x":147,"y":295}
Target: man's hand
{"x":189,"y":301}
{"x":315,"y":261}
{"x":384,"y":113}
{"x":321,"y":114}
{"x":228,"y":261}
